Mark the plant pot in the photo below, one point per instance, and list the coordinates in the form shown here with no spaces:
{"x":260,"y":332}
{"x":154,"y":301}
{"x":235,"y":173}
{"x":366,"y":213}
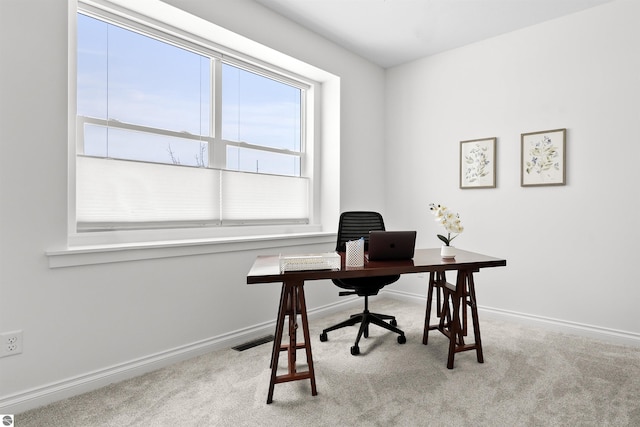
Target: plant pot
{"x":448,"y":252}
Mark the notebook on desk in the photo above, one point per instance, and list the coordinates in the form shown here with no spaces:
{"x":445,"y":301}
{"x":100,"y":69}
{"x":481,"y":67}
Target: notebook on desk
{"x":391,"y":245}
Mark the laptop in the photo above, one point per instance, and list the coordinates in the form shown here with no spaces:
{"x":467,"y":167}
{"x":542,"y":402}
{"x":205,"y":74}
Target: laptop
{"x":391,"y":245}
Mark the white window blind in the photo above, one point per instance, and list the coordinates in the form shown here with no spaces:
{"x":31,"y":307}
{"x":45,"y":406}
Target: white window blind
{"x":130,"y":194}
{"x":120,"y":191}
{"x":250,"y":197}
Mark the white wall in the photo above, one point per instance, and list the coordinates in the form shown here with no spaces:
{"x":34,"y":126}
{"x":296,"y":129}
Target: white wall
{"x":571,"y":250}
{"x":86,"y":326}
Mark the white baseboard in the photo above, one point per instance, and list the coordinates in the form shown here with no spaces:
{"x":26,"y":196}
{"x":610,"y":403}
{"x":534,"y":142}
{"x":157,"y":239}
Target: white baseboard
{"x":613,"y":336}
{"x":40,"y":396}
{"x":53,"y":392}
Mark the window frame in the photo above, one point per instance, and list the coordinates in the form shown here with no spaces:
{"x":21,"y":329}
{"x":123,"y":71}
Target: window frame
{"x":167,"y":33}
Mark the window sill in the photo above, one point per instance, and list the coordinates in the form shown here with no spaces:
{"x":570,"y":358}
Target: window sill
{"x":104,"y":254}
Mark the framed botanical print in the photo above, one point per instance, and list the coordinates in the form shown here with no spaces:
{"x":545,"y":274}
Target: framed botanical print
{"x":543,"y":158}
{"x":478,"y":163}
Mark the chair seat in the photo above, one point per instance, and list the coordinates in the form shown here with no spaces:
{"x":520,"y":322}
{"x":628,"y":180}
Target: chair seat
{"x":366,"y":286}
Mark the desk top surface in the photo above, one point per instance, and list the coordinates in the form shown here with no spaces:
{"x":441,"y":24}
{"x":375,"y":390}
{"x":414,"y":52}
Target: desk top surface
{"x":266,"y":268}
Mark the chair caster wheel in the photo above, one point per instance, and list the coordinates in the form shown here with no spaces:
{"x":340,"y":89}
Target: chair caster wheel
{"x":402,"y":339}
{"x":323,"y":337}
{"x":393,"y":322}
{"x":355,"y":350}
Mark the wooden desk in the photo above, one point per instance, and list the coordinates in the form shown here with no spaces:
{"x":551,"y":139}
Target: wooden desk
{"x":266,"y":269}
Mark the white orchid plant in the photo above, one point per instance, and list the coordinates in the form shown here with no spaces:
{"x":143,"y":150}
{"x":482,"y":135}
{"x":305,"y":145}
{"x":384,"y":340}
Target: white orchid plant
{"x":449,"y":220}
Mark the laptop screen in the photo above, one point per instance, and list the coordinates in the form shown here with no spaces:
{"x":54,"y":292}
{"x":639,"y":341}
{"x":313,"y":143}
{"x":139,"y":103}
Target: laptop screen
{"x":391,"y":245}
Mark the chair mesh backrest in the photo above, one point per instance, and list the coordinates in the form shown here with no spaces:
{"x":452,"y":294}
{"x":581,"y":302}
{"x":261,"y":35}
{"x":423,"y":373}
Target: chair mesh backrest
{"x":354,"y":225}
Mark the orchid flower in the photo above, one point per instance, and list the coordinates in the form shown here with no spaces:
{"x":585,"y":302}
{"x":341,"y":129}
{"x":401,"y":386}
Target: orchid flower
{"x":449,"y":220}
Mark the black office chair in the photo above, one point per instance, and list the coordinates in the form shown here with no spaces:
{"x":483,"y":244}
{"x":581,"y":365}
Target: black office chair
{"x":353,"y":226}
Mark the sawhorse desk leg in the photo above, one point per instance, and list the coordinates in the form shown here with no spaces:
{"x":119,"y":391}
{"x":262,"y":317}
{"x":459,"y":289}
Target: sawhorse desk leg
{"x":292,"y":305}
{"x":453,"y":313}
{"x":437,"y":279}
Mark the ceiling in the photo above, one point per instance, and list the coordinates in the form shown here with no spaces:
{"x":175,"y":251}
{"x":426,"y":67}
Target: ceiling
{"x":392,"y":32}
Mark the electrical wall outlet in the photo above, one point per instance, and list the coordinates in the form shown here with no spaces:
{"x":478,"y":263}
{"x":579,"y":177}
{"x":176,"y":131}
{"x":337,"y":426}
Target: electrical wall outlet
{"x":10,"y":343}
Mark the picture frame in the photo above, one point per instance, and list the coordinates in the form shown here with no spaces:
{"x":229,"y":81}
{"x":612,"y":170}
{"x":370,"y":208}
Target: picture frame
{"x":543,"y":158}
{"x":478,"y":163}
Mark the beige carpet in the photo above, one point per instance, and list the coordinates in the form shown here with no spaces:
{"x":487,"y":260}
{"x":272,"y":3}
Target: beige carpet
{"x":531,"y":377}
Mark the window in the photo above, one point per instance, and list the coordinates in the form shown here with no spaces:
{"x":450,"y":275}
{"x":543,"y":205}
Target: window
{"x":174,"y":134}
{"x":265,"y":113}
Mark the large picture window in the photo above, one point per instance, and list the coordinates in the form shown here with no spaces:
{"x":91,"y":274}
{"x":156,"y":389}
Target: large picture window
{"x":172,"y":134}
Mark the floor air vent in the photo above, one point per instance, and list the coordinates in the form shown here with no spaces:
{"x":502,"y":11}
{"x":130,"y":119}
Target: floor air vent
{"x":254,"y":343}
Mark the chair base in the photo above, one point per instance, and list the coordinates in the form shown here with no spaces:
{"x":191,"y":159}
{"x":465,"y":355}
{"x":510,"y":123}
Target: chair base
{"x":365,"y":319}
